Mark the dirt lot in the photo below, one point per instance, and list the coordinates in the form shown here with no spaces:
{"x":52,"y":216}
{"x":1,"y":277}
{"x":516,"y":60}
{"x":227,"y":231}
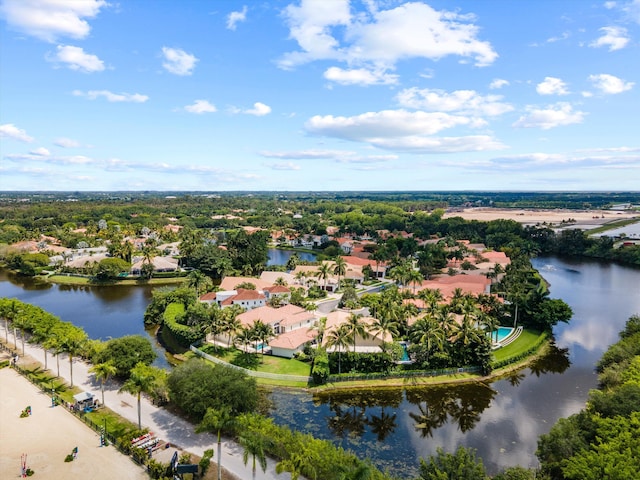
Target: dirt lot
{"x":48,"y":435}
{"x":532,"y":217}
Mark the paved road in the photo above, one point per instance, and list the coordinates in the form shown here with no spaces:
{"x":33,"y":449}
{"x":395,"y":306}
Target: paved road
{"x":162,"y":423}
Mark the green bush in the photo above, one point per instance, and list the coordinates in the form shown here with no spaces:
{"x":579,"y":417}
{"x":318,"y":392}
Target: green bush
{"x":205,"y":462}
{"x":320,"y":369}
{"x":183,"y":334}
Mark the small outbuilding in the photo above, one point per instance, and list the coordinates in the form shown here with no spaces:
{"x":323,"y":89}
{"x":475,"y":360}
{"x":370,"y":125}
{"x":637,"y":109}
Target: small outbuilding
{"x":83,"y":400}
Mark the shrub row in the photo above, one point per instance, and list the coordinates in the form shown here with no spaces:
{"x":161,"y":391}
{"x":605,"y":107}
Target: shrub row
{"x":183,"y":334}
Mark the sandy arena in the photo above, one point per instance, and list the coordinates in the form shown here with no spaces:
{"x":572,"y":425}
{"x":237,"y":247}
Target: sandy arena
{"x":532,"y":217}
{"x":48,"y":435}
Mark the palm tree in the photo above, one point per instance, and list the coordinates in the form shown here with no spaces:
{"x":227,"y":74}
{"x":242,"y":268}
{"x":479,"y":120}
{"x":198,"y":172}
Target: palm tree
{"x":340,"y":268}
{"x":253,"y":445}
{"x":141,"y":380}
{"x":414,"y":277}
{"x":216,"y":420}
{"x":22,"y":323}
{"x":320,"y":327}
{"x":199,"y":281}
{"x":41,"y":332}
{"x":244,"y":338}
{"x":383,"y":326}
{"x":53,"y":343}
{"x":324,"y":272}
{"x":9,"y":312}
{"x":431,"y":297}
{"x":231,"y":324}
{"x":261,"y":332}
{"x":356,"y":327}
{"x":299,"y":461}
{"x":301,"y":277}
{"x":339,"y":338}
{"x":71,"y":342}
{"x":280,"y":281}
{"x":102,"y":372}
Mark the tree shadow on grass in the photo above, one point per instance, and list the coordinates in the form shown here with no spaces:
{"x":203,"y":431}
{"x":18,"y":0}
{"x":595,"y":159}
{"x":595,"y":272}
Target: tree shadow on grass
{"x":246,"y":360}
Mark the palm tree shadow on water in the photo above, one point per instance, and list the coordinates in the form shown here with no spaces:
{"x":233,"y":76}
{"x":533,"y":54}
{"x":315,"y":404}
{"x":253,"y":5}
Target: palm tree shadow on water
{"x":556,"y":360}
{"x":437,"y":406}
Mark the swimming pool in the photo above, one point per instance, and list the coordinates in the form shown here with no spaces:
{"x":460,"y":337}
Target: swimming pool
{"x":405,"y":354}
{"x":502,"y":333}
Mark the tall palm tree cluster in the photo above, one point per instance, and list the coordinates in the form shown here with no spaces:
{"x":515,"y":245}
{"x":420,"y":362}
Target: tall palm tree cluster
{"x":52,"y":333}
{"x":440,"y":336}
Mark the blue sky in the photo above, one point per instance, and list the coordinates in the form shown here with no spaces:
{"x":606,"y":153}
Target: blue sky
{"x":220,"y":95}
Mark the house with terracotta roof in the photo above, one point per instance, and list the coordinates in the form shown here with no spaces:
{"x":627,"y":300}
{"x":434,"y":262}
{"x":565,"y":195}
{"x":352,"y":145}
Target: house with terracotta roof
{"x":247,"y":299}
{"x":447,"y":284}
{"x":272,"y":277}
{"x":288,"y":344}
{"x":230,"y":283}
{"x":282,"y":319}
{"x":277,"y":291}
{"x":380,"y":268}
{"x":370,"y":344}
{"x":160,"y":264}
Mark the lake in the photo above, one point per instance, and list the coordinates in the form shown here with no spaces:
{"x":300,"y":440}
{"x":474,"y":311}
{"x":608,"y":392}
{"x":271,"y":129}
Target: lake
{"x":281,"y":257}
{"x":394,"y":427}
{"x":501,"y":420}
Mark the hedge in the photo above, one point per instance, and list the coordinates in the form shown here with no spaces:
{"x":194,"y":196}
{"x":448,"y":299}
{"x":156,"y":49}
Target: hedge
{"x":183,"y":334}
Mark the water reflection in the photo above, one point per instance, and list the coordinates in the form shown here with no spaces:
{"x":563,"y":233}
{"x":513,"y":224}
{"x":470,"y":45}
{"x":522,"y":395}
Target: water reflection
{"x":556,"y":360}
{"x":456,"y":405}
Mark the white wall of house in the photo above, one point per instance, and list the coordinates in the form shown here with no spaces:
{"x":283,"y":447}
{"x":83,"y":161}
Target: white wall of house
{"x":285,"y":352}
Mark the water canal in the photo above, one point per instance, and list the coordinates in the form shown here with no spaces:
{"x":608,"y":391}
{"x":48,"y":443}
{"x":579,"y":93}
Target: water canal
{"x":394,"y":427}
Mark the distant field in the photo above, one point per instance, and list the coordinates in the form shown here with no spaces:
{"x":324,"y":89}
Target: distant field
{"x":531,"y":216}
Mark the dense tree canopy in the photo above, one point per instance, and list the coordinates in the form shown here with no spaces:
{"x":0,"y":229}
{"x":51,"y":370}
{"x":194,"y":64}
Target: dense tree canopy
{"x":124,"y":353}
{"x":195,"y":386}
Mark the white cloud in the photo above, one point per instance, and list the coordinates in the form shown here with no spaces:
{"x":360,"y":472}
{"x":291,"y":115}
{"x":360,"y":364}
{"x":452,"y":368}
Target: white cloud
{"x":200,"y":106}
{"x":553,"y":116}
{"x":382,"y":38}
{"x":403,"y":130}
{"x":632,"y":10}
{"x":552,"y":86}
{"x":498,"y":83}
{"x":416,"y":144}
{"x":386,"y":123}
{"x":308,"y":154}
{"x":39,"y":156}
{"x":284,"y":166}
{"x":50,"y":19}
{"x":340,"y":156}
{"x":610,"y":84}
{"x":41,"y":151}
{"x":310,"y":25}
{"x":360,"y":76}
{"x":77,"y":59}
{"x":563,"y":36}
{"x":178,"y":61}
{"x":9,"y":130}
{"x":614,"y":37}
{"x":619,"y":157}
{"x":112,"y":97}
{"x":66,"y":143}
{"x":259,"y":110}
{"x":234,"y":17}
{"x":462,"y":101}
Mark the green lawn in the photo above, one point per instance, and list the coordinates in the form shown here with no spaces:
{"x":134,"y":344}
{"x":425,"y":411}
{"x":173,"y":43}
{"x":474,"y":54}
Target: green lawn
{"x":526,"y":341}
{"x":260,"y":363}
{"x":72,"y":280}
